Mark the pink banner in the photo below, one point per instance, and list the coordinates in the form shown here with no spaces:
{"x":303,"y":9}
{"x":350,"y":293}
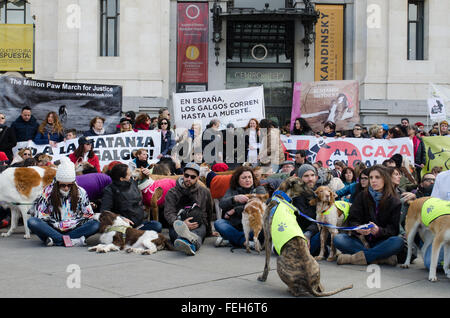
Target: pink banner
{"x":295,"y":113}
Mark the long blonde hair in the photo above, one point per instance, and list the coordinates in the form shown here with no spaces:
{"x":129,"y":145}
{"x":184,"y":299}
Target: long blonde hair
{"x":57,"y":126}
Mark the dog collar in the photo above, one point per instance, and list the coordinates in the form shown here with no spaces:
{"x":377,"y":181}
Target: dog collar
{"x":283,"y":195}
{"x":121,"y":229}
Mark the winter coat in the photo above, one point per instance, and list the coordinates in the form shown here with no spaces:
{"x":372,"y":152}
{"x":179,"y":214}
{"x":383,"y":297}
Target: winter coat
{"x":227,"y":203}
{"x":46,"y":137}
{"x":7,"y":141}
{"x":148,"y":189}
{"x":167,"y":143}
{"x":302,"y":203}
{"x":124,"y":198}
{"x":25,"y":130}
{"x":387,"y":219}
{"x":180,"y":196}
{"x":93,"y":183}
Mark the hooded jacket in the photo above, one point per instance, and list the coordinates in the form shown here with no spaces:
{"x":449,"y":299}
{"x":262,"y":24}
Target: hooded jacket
{"x":179,"y":196}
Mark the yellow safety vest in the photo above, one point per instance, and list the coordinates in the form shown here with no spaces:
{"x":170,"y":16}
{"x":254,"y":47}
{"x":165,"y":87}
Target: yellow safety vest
{"x":341,"y":205}
{"x":284,"y":225}
{"x":434,"y":208}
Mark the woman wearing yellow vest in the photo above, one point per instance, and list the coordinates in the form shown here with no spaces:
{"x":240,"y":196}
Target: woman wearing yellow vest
{"x":377,"y":205}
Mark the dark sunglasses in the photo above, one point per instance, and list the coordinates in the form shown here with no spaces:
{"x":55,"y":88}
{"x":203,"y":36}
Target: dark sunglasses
{"x":165,"y":123}
{"x":187,"y":175}
{"x":63,"y":186}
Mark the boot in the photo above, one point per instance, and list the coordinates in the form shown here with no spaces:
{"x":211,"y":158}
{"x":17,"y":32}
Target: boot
{"x":391,"y":260}
{"x":355,"y":259}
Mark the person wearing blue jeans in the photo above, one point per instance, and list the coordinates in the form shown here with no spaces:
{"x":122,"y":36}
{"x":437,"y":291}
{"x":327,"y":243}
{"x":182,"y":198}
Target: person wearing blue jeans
{"x":379,"y":207}
{"x":44,"y":231}
{"x":63,"y":208}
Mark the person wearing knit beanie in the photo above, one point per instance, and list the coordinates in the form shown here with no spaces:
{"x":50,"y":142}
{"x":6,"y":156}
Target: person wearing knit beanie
{"x":71,"y":216}
{"x":305,"y":167}
{"x":219,"y":167}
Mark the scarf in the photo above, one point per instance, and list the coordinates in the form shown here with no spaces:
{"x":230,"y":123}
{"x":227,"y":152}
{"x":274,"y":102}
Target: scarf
{"x":49,"y":128}
{"x":376,"y":196}
{"x":99,"y":132}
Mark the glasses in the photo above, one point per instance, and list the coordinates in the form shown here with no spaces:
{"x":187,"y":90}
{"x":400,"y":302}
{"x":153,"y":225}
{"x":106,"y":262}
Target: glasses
{"x":357,"y":129}
{"x":65,"y":185}
{"x":187,"y":175}
{"x":163,"y":123}
{"x":27,"y":154}
{"x":364,"y":178}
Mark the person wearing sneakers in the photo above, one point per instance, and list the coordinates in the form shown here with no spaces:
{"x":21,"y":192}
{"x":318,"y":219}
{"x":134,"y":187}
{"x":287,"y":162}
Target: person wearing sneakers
{"x":379,"y":206}
{"x":188,"y":210}
{"x":63,"y":209}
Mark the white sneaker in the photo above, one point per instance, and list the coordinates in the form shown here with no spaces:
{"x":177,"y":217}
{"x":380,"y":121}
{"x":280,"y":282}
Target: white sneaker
{"x":221,"y":242}
{"x":49,"y":241}
{"x":79,"y":241}
{"x":183,"y":231}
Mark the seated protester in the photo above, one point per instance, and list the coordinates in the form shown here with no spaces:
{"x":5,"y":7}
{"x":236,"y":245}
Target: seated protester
{"x":300,"y":158}
{"x":377,"y":205}
{"x":96,"y":127}
{"x":425,"y":187}
{"x":122,"y":196}
{"x":50,"y":131}
{"x":338,"y":168}
{"x":285,"y":171}
{"x":357,"y":132}
{"x":21,"y":156}
{"x":71,"y":134}
{"x":348,"y":176}
{"x":407,"y":181}
{"x":230,"y":227}
{"x":141,"y":160}
{"x":85,"y":152}
{"x":329,"y":130}
{"x":63,"y":209}
{"x":356,"y":187}
{"x":142,"y":122}
{"x":309,"y":176}
{"x":188,"y":228}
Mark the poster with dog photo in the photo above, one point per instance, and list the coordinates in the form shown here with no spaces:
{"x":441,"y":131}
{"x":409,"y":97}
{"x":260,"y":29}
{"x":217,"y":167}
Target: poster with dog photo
{"x":319,"y":102}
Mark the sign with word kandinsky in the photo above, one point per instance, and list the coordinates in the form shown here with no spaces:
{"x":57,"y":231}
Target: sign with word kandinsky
{"x":235,"y":106}
{"x":329,"y":44}
{"x":16,"y":47}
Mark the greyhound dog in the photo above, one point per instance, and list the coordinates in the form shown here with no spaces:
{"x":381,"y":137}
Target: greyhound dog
{"x":295,"y":266}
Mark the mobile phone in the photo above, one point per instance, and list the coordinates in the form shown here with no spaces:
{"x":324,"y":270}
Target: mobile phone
{"x":67,"y":241}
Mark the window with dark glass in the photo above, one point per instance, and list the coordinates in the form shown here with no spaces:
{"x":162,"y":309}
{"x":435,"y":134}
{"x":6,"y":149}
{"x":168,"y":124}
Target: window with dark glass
{"x":17,"y":12}
{"x":416,"y":29}
{"x":109,"y":27}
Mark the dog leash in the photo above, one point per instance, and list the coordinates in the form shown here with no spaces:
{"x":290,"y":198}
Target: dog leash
{"x":285,"y":197}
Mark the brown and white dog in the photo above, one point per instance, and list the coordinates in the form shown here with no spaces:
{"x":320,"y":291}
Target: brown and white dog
{"x":252,"y":218}
{"x":117,"y":235}
{"x":295,"y":266}
{"x":20,"y":187}
{"x":439,"y":227}
{"x":328,"y":212}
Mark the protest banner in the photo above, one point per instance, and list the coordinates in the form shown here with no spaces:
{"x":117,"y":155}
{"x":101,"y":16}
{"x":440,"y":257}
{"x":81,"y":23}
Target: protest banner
{"x":192,"y":46}
{"x":16,"y":47}
{"x":319,"y":102}
{"x":349,"y":150}
{"x":75,"y":103}
{"x":236,"y":106}
{"x":437,"y":149}
{"x":108,"y":148}
{"x":437,"y":99}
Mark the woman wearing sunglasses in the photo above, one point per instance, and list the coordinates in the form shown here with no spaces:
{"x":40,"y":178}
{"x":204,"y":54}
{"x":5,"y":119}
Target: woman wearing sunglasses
{"x":167,"y":142}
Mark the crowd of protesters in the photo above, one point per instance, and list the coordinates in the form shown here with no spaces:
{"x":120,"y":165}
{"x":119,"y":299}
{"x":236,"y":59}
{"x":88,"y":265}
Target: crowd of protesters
{"x":393,"y":189}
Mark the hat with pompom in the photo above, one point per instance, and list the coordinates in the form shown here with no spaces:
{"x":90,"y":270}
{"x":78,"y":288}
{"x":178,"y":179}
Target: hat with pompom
{"x":66,"y":171}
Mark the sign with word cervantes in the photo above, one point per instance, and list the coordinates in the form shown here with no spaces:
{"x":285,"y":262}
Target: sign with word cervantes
{"x":16,"y":47}
{"x":329,"y":45}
